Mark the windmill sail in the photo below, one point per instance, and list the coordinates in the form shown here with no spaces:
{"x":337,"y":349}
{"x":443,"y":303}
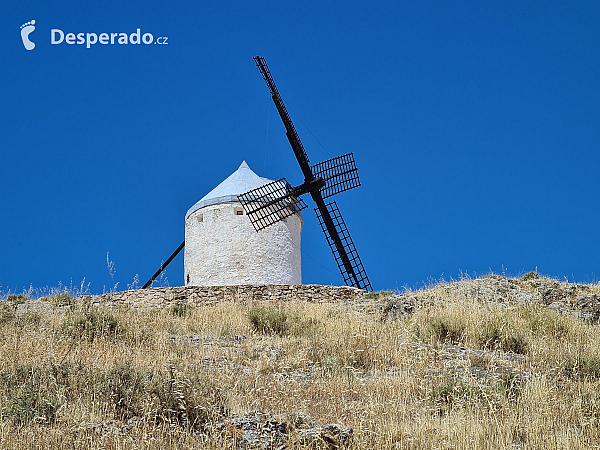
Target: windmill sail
{"x":347,"y":258}
{"x":270,"y":203}
{"x":340,"y":174}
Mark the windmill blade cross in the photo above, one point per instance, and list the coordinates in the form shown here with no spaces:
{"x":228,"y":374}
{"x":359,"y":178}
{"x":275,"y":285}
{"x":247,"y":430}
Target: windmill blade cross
{"x":274,"y":201}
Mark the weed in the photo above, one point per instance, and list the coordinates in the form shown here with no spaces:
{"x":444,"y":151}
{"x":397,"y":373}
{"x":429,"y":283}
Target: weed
{"x":443,"y":329}
{"x":17,"y":299}
{"x":62,"y":299}
{"x":546,"y":322}
{"x":590,"y":406}
{"x":31,"y":395}
{"x":190,"y":402}
{"x":510,"y":385}
{"x":181,"y":309}
{"x":378,"y":295}
{"x":91,"y":323}
{"x":7,"y":312}
{"x":125,"y":386}
{"x":530,"y":276}
{"x":27,"y":320}
{"x":583,"y":365}
{"x":453,"y":393}
{"x":330,"y":364}
{"x":498,"y":335}
{"x":272,"y":320}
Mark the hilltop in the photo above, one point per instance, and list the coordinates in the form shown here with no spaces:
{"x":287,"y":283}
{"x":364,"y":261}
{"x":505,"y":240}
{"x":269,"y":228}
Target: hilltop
{"x":491,"y":362}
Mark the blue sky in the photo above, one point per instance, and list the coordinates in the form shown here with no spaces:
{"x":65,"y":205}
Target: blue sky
{"x":475,"y":127}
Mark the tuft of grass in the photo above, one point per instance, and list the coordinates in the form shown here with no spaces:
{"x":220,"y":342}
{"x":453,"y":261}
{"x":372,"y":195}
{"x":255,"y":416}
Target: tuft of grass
{"x":31,"y":395}
{"x":190,"y":402}
{"x":499,"y":335}
{"x":546,"y":322}
{"x":62,"y":299}
{"x":444,"y":329}
{"x":180,"y":309}
{"x":125,"y":386}
{"x":530,"y":276}
{"x":17,"y":299}
{"x":510,"y":385}
{"x":29,"y":320}
{"x":7,"y":312}
{"x":376,"y":295}
{"x":460,"y":393}
{"x":583,"y":365}
{"x":276,"y":320}
{"x":91,"y":322}
{"x":453,"y":393}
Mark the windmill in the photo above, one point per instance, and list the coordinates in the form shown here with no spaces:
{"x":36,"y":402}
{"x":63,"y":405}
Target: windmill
{"x":272,"y":202}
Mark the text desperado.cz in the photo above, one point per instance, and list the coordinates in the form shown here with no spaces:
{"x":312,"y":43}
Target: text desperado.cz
{"x":58,"y":36}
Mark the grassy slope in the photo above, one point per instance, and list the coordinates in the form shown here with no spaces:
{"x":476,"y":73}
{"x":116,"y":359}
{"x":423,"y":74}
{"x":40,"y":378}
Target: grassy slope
{"x":475,"y":365}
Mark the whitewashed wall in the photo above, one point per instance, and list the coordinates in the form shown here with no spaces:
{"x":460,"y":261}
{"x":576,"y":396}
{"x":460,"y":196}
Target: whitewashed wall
{"x":222,"y":248}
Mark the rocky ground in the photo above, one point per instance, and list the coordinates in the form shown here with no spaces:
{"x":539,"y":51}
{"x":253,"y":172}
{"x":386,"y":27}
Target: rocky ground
{"x":356,"y":361}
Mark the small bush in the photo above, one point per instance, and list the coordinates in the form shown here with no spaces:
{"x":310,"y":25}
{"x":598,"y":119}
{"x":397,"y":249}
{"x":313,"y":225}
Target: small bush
{"x":27,"y":320}
{"x":7,"y":312}
{"x":545,"y":322}
{"x":181,"y":309}
{"x":17,"y":299}
{"x":377,"y":295}
{"x":443,"y":329}
{"x":530,"y":276}
{"x":125,"y":386}
{"x":497,"y":335}
{"x":31,"y":395}
{"x":583,"y":365}
{"x":453,"y":393}
{"x":90,"y":322}
{"x":189,"y":402}
{"x":275,"y":320}
{"x":62,"y":299}
{"x":510,"y":385}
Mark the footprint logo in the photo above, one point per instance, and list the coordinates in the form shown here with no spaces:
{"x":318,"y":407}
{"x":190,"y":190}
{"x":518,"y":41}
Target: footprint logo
{"x":26,"y":29}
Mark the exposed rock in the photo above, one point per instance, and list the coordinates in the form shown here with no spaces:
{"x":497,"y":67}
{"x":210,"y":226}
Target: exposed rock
{"x":581,"y":300}
{"x":272,"y":352}
{"x":258,"y":430}
{"x":36,"y":306}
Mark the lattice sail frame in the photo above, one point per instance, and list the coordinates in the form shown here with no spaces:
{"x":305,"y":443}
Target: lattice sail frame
{"x":359,"y":278}
{"x":340,"y":174}
{"x":270,"y":203}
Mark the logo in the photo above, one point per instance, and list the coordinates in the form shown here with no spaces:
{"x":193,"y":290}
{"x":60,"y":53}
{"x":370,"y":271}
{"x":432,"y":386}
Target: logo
{"x":26,"y":30}
{"x":58,"y":37}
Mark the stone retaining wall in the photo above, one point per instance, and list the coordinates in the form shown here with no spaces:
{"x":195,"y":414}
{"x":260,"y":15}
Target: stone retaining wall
{"x":206,"y":295}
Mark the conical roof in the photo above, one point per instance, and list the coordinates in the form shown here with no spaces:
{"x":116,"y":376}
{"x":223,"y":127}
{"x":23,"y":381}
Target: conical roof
{"x":240,"y":181}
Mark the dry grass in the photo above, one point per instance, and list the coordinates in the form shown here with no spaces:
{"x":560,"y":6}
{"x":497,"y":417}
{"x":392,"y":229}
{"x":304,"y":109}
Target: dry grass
{"x":457,"y":373}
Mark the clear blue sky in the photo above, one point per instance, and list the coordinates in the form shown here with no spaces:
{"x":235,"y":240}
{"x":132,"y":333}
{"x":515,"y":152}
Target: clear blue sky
{"x":475,"y":127}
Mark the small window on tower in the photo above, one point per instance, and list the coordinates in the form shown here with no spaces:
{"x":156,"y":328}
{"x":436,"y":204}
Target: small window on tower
{"x":188,"y":278}
{"x":200,"y":218}
{"x":239,"y":211}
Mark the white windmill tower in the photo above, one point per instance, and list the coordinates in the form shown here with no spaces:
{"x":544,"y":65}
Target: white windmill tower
{"x":223,"y":248}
